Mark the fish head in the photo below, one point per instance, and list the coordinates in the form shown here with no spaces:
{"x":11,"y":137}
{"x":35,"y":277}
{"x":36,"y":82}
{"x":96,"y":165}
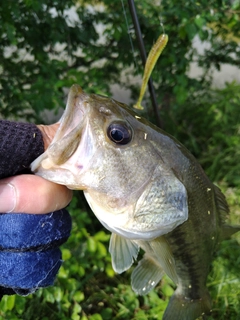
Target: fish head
{"x":103,"y":148}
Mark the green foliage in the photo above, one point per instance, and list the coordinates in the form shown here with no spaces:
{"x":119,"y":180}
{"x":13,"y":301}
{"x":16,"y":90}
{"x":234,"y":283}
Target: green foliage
{"x":208,"y":124}
{"x":43,"y":51}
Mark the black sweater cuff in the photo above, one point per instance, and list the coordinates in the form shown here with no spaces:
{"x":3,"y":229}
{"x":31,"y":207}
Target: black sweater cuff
{"x":20,"y":144}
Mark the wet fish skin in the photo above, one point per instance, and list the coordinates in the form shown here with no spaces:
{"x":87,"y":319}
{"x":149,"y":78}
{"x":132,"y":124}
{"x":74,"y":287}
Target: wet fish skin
{"x":149,"y":192}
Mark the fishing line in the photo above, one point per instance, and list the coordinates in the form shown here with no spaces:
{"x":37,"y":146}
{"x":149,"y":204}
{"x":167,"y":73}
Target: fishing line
{"x":129,"y":33}
{"x":161,"y":19}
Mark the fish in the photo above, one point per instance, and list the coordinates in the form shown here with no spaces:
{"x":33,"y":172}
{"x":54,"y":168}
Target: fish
{"x":148,"y":190}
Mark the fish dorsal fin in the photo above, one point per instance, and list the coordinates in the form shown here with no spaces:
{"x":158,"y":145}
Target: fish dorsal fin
{"x":227,"y":231}
{"x":123,"y":252}
{"x":221,"y":203}
{"x":164,"y":257}
{"x":146,"y":275}
{"x":222,"y":207}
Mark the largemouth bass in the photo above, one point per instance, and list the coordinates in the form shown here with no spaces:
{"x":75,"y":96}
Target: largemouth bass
{"x":148,"y":190}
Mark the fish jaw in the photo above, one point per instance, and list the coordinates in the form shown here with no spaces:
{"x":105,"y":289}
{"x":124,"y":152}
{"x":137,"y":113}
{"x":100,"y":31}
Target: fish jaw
{"x":72,"y":146}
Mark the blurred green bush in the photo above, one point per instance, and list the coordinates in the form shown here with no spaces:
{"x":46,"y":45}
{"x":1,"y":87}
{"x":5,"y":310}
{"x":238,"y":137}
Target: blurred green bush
{"x":208,"y":124}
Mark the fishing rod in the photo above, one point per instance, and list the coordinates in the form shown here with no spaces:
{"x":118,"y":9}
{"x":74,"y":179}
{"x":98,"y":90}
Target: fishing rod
{"x":143,"y":54}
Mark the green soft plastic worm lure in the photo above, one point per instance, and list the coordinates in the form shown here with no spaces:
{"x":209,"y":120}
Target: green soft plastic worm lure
{"x":153,"y":56}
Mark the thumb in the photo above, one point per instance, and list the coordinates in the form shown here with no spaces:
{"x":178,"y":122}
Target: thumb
{"x":32,"y":194}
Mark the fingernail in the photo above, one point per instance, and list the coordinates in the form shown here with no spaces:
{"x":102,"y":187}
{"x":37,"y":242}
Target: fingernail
{"x":7,"y":197}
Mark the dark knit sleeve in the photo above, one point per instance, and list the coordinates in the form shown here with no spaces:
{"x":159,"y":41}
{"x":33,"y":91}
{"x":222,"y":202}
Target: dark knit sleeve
{"x":29,"y":243}
{"x":20,"y":144}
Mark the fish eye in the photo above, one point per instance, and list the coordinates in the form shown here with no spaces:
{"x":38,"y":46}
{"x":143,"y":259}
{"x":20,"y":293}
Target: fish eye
{"x":120,"y":133}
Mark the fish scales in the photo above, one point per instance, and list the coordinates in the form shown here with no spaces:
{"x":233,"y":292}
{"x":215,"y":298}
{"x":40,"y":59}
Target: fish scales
{"x":148,"y":190}
{"x":193,"y":242}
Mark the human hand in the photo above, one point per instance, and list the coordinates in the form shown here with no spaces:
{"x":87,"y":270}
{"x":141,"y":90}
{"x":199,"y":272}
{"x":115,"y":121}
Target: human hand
{"x":33,"y":194}
{"x":48,"y":133}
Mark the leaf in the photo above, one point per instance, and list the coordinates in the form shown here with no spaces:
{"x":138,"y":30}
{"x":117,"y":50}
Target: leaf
{"x":66,"y":254}
{"x":91,"y":244}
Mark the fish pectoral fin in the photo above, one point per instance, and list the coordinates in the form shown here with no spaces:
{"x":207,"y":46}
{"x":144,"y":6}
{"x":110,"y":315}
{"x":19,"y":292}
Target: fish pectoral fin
{"x":146,"y":275}
{"x":123,"y":252}
{"x":165,"y":257}
{"x":180,"y":307}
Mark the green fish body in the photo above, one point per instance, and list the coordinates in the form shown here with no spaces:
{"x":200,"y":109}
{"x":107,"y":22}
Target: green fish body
{"x":148,"y":190}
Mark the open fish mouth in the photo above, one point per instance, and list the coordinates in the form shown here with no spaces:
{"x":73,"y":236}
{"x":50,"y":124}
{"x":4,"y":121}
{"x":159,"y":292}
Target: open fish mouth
{"x":67,"y":138}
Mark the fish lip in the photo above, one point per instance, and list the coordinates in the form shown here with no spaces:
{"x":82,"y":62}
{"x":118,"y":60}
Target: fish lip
{"x":69,"y":134}
{"x":73,"y":115}
{"x":52,"y":176}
